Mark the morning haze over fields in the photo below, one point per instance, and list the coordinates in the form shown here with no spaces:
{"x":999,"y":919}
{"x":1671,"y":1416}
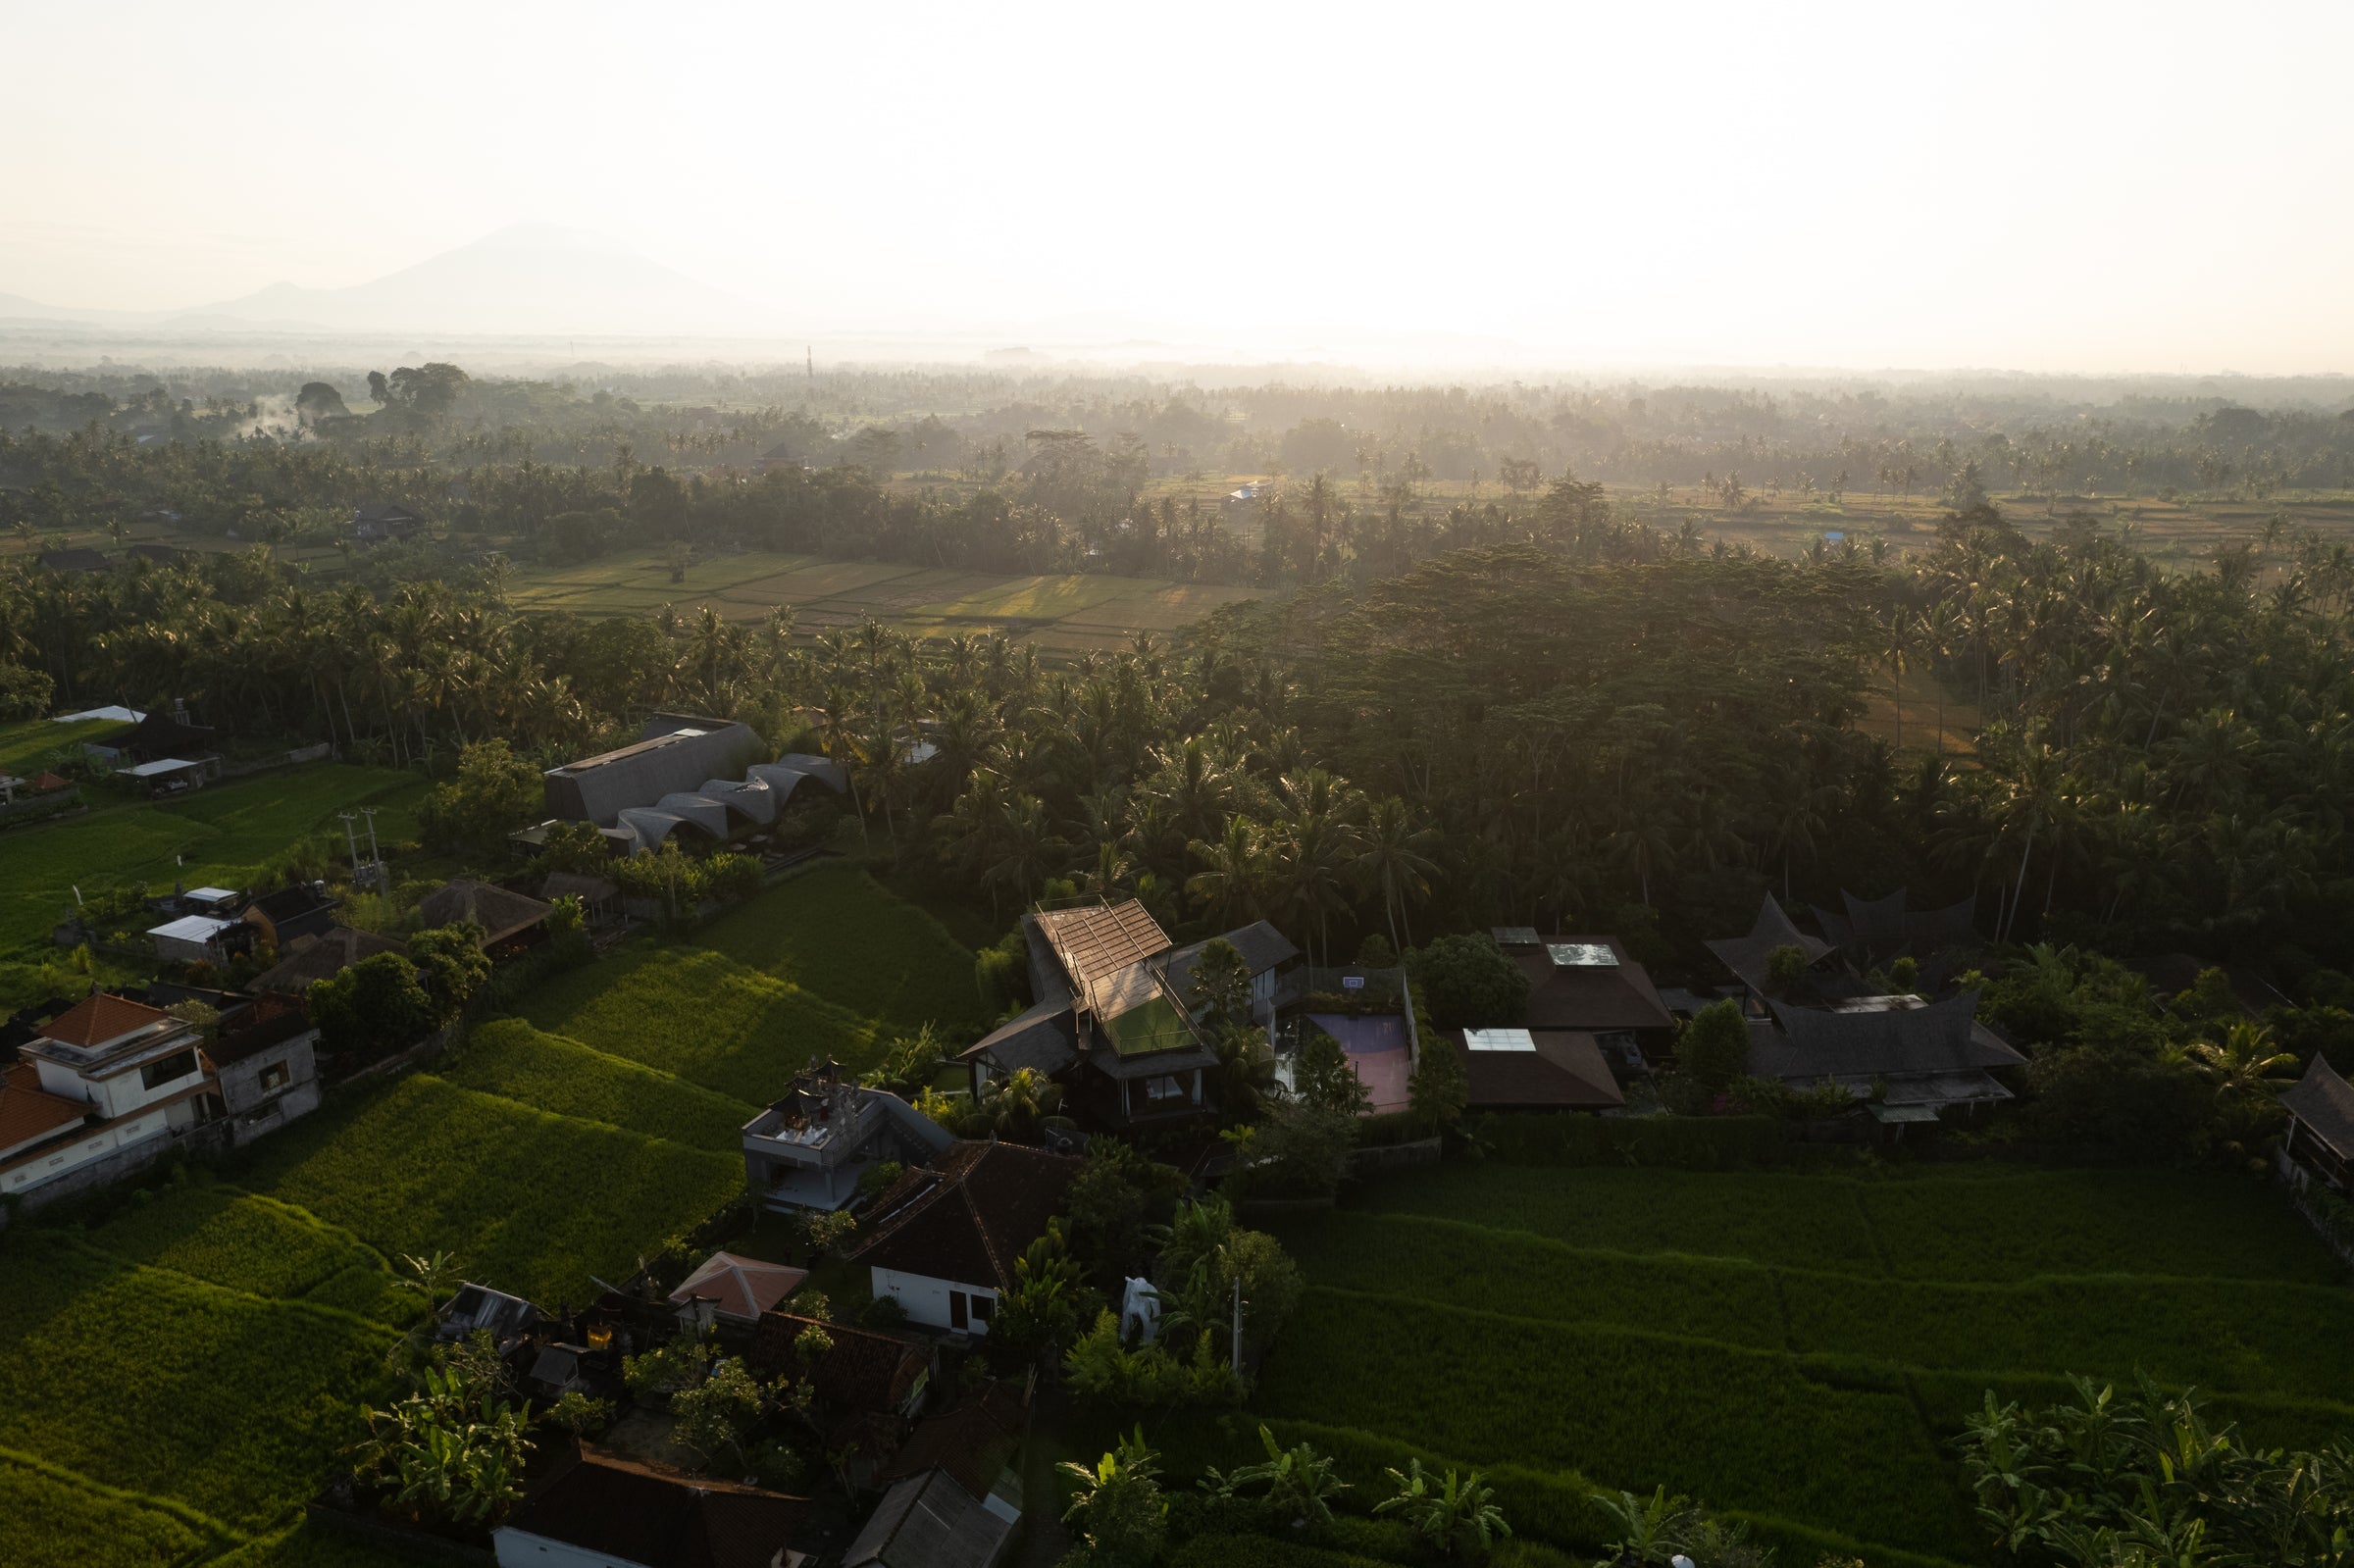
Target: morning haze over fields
{"x":1264,"y":787}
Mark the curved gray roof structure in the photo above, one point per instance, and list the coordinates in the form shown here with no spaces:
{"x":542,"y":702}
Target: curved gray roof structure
{"x":824,"y":769}
{"x":752,"y":801}
{"x":704,"y":812}
{"x":650,"y":825}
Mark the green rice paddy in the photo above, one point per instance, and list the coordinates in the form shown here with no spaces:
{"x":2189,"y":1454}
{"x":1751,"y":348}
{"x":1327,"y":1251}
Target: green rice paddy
{"x":1060,"y":613}
{"x":1800,"y":1349}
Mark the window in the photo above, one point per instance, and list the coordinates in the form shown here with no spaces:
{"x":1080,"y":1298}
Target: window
{"x":179,"y":1064}
{"x":959,"y":1310}
{"x":984,"y":1309}
{"x":273,"y":1077}
{"x":1167,"y":1087}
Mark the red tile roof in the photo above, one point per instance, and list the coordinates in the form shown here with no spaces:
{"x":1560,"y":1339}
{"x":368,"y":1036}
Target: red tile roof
{"x":864,"y":1372}
{"x":99,"y":1018}
{"x":743,"y":1287}
{"x":645,"y":1514}
{"x":28,"y":1111}
{"x":970,"y":1214}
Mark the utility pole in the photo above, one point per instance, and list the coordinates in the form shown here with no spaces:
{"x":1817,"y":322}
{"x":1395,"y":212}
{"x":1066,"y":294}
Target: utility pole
{"x":352,"y":843}
{"x":376,"y":856}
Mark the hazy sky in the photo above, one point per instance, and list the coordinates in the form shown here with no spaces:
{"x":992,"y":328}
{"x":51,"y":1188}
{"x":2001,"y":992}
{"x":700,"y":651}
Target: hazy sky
{"x":2140,"y":187}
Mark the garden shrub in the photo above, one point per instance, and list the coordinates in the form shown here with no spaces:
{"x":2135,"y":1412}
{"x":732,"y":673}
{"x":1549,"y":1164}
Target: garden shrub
{"x":1467,"y":981}
{"x":1392,"y":1128}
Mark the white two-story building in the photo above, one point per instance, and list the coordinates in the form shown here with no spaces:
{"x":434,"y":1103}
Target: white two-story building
{"x":101,"y":1089}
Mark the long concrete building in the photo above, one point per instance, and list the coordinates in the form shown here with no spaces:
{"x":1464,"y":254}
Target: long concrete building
{"x":675,"y":754}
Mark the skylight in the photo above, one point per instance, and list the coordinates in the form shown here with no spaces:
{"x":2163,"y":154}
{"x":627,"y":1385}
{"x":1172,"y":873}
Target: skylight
{"x":1498,"y":1039}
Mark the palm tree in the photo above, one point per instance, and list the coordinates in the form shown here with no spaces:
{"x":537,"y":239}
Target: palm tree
{"x":1800,"y":813}
{"x":2244,"y":1066}
{"x":1013,"y":1106}
{"x":1394,"y":855}
{"x":1030,"y":852}
{"x":1311,"y":863}
{"x":1233,"y":871}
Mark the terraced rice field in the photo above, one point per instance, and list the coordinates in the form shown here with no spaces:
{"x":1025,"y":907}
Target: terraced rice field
{"x":175,"y":1381}
{"x":1799,"y":1349}
{"x":1059,"y":613}
{"x":829,"y":964}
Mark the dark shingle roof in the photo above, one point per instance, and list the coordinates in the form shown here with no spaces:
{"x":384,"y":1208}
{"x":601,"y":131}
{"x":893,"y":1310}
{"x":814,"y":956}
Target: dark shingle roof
{"x":323,"y":958}
{"x":501,"y":914}
{"x":637,"y":1513}
{"x":1261,"y":946}
{"x":2324,"y":1102}
{"x":969,"y":1215}
{"x":928,"y":1521}
{"x":288,"y":903}
{"x":1603,"y":998}
{"x":1943,"y":1037}
{"x":1567,"y":1071}
{"x":1044,"y":1036}
{"x":1883,"y":921}
{"x":1746,"y":956}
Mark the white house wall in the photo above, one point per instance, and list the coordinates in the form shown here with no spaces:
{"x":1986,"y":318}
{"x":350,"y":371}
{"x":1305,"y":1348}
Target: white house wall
{"x":520,"y":1548}
{"x":926,"y":1300}
{"x":63,"y":1162}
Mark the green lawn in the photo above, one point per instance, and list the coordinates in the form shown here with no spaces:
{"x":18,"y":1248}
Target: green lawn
{"x":1799,"y":1348}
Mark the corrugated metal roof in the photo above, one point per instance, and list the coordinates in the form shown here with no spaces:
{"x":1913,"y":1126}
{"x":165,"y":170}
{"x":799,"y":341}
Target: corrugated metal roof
{"x":1094,"y":943}
{"x":2324,"y":1102}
